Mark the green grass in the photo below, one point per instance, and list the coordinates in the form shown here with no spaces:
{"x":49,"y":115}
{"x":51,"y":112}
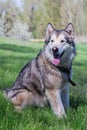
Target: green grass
{"x":13,"y":56}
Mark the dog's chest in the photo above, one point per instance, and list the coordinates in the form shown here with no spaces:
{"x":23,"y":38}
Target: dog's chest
{"x":54,"y":79}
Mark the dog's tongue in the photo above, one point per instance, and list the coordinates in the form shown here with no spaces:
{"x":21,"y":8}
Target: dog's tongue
{"x":56,"y":61}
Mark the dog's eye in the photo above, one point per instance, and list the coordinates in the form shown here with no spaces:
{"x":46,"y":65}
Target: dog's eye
{"x":52,"y":40}
{"x":62,"y":41}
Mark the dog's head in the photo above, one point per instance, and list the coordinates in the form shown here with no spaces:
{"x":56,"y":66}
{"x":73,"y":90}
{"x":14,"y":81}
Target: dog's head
{"x":57,"y":42}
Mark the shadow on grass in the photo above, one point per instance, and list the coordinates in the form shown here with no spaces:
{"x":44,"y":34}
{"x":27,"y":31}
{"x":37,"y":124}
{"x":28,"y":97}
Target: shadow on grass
{"x":4,"y":60}
{"x":75,"y":102}
{"x":16,"y":48}
{"x":13,"y":58}
{"x":80,"y":63}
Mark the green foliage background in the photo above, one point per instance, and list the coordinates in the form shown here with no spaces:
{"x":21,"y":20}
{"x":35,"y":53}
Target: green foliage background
{"x":33,"y":15}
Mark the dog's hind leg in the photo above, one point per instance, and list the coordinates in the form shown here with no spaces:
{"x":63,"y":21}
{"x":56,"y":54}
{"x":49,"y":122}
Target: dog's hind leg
{"x":20,"y":99}
{"x":23,"y":99}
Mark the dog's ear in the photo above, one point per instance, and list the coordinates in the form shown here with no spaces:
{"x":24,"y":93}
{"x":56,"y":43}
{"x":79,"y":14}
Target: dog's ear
{"x":49,"y":31}
{"x":70,"y":30}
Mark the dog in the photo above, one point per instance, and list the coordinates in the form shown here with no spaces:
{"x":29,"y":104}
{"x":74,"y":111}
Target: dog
{"x":45,"y":78}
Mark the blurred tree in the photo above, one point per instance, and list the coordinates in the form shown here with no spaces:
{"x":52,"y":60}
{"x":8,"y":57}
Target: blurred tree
{"x":85,"y":14}
{"x":1,"y":28}
{"x":73,"y":11}
{"x":28,"y":12}
{"x":9,"y":14}
{"x":45,"y":12}
{"x":20,"y":30}
{"x":35,"y":14}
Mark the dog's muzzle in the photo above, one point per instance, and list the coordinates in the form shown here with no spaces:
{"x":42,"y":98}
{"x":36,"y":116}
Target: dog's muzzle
{"x":55,"y":52}
{"x":56,"y":55}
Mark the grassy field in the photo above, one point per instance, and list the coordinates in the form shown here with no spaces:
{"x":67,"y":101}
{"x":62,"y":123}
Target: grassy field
{"x":13,"y":56}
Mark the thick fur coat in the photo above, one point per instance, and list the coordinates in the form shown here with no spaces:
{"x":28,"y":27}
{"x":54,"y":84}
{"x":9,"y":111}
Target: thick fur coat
{"x":41,"y":81}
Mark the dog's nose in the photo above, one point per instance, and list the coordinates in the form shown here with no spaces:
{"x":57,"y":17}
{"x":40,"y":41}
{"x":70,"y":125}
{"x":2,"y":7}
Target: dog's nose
{"x":55,"y":49}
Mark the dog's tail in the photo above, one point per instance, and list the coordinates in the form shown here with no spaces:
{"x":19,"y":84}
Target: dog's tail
{"x":5,"y":92}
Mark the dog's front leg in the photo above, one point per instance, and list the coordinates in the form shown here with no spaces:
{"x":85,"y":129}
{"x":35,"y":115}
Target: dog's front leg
{"x":54,"y":98}
{"x":65,"y":96}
